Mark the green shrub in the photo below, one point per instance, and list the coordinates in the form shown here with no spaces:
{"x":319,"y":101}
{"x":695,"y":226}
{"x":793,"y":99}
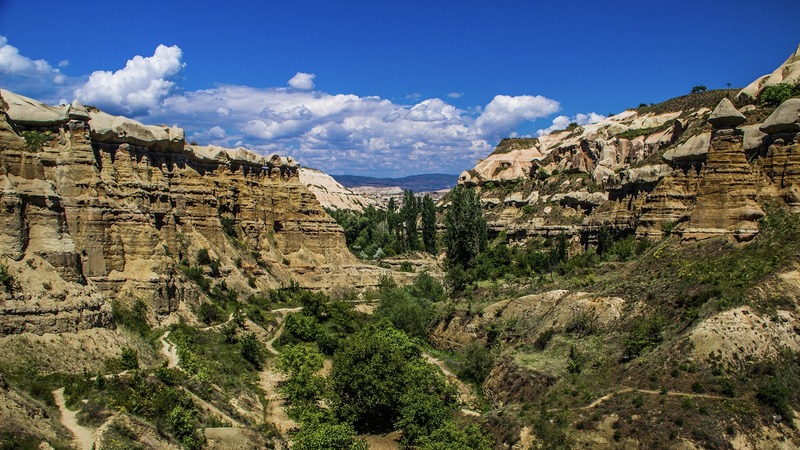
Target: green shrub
{"x":778,"y":93}
{"x":646,"y":333}
{"x":129,"y":359}
{"x":477,"y":362}
{"x":133,"y":318}
{"x":37,"y":139}
{"x":203,"y":257}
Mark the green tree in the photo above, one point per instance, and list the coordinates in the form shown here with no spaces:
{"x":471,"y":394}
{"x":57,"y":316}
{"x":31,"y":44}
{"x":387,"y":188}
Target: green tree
{"x":429,"y":224}
{"x":129,"y":359}
{"x":699,"y":88}
{"x":408,"y":214}
{"x":456,"y":436}
{"x":328,"y":436}
{"x":372,"y":372}
{"x":465,"y":228}
{"x":251,"y":349}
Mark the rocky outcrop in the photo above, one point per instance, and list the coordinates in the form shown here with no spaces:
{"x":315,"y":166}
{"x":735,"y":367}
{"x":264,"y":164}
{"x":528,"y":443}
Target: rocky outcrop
{"x":331,"y":194}
{"x":111,"y":208}
{"x":694,"y":166}
{"x":788,"y":72}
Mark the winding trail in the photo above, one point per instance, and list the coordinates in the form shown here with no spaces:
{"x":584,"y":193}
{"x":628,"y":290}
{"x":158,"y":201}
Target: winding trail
{"x":609,"y":396}
{"x":169,"y":350}
{"x":466,"y":395}
{"x":280,"y":316}
{"x":84,"y":437}
{"x":270,"y":378}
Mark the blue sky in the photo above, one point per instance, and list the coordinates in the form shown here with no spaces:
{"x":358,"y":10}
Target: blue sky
{"x":383,"y":88}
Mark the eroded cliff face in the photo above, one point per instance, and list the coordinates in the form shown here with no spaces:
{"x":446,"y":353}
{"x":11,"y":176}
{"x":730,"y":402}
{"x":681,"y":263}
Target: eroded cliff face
{"x":98,"y":207}
{"x":679,"y":167}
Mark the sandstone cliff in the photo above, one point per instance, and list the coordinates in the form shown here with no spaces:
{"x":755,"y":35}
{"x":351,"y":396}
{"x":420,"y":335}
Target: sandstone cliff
{"x":685,"y":166}
{"x":331,"y":194}
{"x":99,"y":207}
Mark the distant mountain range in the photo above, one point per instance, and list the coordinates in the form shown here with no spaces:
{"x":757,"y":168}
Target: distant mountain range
{"x":417,"y":183}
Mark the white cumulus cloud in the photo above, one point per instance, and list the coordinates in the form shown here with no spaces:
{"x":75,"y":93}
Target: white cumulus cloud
{"x":139,"y":86}
{"x":455,"y":94}
{"x":338,"y":133}
{"x":302,"y":81}
{"x":35,"y":77}
{"x":504,"y":113}
{"x":562,"y":122}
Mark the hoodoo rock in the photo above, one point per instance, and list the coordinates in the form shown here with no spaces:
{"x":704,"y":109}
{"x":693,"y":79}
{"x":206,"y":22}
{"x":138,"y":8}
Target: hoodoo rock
{"x":725,"y":115}
{"x":100,"y":207}
{"x":785,"y":119}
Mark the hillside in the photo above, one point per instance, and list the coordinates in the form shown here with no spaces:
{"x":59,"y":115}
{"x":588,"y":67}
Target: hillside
{"x":417,"y":183}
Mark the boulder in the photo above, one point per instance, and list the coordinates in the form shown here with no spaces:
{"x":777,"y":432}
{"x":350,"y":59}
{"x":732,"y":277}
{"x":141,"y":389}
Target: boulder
{"x":78,"y":112}
{"x":725,"y":115}
{"x":753,"y":137}
{"x":27,"y":111}
{"x":785,"y":119}
{"x":694,"y":149}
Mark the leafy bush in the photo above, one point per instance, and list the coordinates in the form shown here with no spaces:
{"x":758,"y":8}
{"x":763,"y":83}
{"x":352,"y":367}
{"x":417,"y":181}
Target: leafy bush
{"x":203,"y":257}
{"x":477,"y":362}
{"x":129,"y":359}
{"x":7,"y":280}
{"x":252,"y":350}
{"x":37,"y":139}
{"x":699,"y":88}
{"x":328,"y":436}
{"x":133,"y":318}
{"x":646,"y":333}
{"x":778,"y":93}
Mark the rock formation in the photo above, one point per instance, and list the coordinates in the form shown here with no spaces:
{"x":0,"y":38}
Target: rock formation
{"x":695,"y":166}
{"x":100,"y":207}
{"x":331,"y":194}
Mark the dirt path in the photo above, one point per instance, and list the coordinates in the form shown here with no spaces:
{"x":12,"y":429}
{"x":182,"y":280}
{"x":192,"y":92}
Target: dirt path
{"x":280,"y":315}
{"x":84,"y":437}
{"x":169,"y":350}
{"x":213,"y":410}
{"x":609,"y":396}
{"x":270,"y":378}
{"x":466,"y":395}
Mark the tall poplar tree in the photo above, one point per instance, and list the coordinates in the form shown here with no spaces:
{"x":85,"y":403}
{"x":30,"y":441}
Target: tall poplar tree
{"x":429,"y":224}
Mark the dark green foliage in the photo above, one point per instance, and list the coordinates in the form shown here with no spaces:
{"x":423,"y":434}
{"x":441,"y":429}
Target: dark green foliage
{"x":778,"y":93}
{"x":477,"y":362}
{"x":373,"y":370}
{"x":129,"y":359}
{"x":408,"y":215}
{"x":646,"y":333}
{"x":604,"y":239}
{"x":429,"y":224}
{"x":406,"y":312}
{"x":210,"y":313}
{"x":228,"y":226}
{"x":699,"y":88}
{"x":252,"y":350}
{"x":427,"y":287}
{"x":203,"y":257}
{"x":576,"y":361}
{"x":455,"y":435}
{"x":551,"y":431}
{"x":133,"y":318}
{"x":327,"y":436}
{"x":373,"y":233}
{"x":465,"y":228}
{"x":543,"y":339}
{"x":304,"y":387}
{"x":196,"y":274}
{"x":37,"y":139}
{"x":776,"y":383}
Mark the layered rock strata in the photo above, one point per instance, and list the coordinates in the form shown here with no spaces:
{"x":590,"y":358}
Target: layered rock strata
{"x":98,"y":207}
